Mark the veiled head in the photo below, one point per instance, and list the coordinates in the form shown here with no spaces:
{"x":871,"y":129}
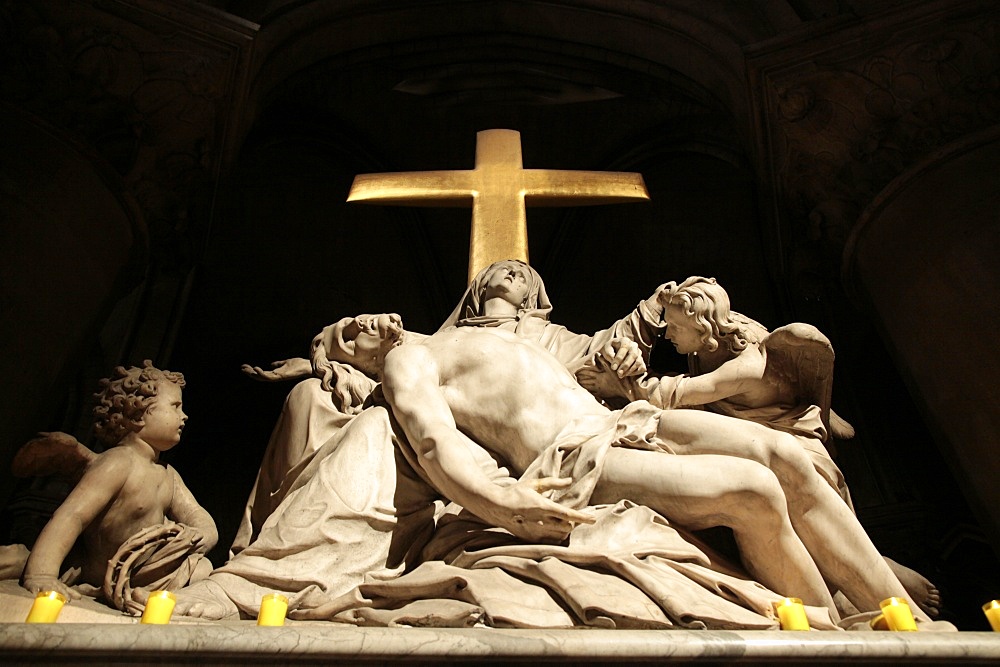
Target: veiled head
{"x":535,"y":302}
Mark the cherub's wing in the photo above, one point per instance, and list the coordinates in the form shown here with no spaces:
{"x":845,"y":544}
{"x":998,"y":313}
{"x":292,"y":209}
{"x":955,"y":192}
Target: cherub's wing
{"x":799,"y":356}
{"x":57,"y":453}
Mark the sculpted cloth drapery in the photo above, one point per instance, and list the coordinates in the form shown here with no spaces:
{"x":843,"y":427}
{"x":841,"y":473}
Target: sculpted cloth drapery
{"x":361,"y":515}
{"x":631,"y":569}
{"x":308,"y":419}
{"x":359,"y":534}
{"x":162,"y":557}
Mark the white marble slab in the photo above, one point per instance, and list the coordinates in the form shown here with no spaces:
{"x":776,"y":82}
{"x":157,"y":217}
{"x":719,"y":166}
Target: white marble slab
{"x":92,"y":633}
{"x":244,"y":643}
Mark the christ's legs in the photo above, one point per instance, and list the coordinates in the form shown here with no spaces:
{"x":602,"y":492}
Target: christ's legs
{"x":706,"y":491}
{"x":826,"y":525}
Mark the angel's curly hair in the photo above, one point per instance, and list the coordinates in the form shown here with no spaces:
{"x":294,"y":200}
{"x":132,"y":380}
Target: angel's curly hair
{"x":704,"y":300}
{"x":125,"y":397}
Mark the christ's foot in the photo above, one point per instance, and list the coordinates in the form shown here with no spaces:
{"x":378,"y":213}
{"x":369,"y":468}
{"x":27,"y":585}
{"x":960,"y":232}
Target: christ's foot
{"x":920,"y":589}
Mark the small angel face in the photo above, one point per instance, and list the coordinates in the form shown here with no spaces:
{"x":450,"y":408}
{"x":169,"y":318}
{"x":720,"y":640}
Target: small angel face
{"x":682,"y":330}
{"x":165,"y":418}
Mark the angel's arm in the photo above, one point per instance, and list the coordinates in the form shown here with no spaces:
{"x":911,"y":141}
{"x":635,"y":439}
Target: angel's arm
{"x":734,"y":377}
{"x":97,"y":490}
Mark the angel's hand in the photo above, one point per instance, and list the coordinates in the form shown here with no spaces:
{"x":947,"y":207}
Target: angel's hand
{"x":655,"y":303}
{"x":285,"y":369}
{"x":623,"y":356}
{"x":42,"y":582}
{"x":198,"y":540}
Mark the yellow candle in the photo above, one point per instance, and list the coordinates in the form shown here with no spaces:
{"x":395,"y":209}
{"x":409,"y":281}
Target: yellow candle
{"x":792,"y":614}
{"x":159,"y":608}
{"x":272,"y":609}
{"x":898,"y":615}
{"x":992,"y":611}
{"x":46,"y":607}
{"x":878,"y":623}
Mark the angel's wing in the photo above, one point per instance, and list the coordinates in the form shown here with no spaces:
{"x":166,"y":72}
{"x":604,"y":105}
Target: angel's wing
{"x":801,"y":357}
{"x":57,"y":453}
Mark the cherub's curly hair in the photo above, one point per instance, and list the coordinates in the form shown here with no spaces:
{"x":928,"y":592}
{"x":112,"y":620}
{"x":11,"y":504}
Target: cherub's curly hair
{"x":125,"y":397}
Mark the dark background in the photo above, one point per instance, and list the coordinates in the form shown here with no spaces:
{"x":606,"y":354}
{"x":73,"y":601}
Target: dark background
{"x":175,"y":176}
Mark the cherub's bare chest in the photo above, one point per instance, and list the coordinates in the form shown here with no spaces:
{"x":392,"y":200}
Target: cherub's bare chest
{"x":147,"y":492}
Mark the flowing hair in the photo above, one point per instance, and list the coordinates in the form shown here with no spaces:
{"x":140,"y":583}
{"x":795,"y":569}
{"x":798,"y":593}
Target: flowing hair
{"x":348,"y":386}
{"x":125,"y":397}
{"x":704,"y":300}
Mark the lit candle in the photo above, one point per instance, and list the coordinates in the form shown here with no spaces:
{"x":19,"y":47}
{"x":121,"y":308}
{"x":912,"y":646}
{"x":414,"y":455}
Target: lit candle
{"x":272,"y":609}
{"x":792,"y":614}
{"x":159,"y":607}
{"x":992,"y":611}
{"x":46,"y":607}
{"x":898,"y":615}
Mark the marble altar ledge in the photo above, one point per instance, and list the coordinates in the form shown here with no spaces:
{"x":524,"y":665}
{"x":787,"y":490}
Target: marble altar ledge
{"x":303,"y":643}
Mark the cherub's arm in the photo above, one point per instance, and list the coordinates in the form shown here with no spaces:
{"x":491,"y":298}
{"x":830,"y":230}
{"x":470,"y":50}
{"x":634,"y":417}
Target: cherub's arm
{"x":184,"y":508}
{"x":97,"y":489}
{"x":412,"y":387}
{"x":731,"y":378}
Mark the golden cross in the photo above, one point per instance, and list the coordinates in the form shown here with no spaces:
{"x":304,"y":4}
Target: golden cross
{"x":498,"y":189}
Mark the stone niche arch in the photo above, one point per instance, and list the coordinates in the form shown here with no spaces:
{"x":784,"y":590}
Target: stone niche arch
{"x":71,"y":245}
{"x":925,"y":257}
{"x":674,"y":39}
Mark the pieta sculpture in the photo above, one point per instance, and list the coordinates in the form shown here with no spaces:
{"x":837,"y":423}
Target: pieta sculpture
{"x":505,"y":471}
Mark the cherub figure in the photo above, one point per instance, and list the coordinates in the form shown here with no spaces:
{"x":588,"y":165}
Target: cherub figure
{"x":136,"y":522}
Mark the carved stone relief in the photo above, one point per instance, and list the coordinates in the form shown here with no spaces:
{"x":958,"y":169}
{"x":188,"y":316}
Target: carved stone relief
{"x":843,"y":121}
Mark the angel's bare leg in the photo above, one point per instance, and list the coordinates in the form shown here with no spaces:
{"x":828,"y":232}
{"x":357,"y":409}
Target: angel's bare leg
{"x":705,"y":491}
{"x":826,"y":525}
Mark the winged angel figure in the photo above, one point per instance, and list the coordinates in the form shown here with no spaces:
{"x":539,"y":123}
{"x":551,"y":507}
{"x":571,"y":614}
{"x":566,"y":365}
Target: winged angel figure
{"x":781,"y":380}
{"x":133,"y":520}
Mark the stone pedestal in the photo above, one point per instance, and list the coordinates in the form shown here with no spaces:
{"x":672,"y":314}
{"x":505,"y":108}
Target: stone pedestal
{"x":244,"y":643}
{"x":92,"y":634}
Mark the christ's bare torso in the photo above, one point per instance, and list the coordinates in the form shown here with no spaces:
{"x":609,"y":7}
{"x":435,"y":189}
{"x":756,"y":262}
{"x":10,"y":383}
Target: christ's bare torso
{"x":506,"y":393}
